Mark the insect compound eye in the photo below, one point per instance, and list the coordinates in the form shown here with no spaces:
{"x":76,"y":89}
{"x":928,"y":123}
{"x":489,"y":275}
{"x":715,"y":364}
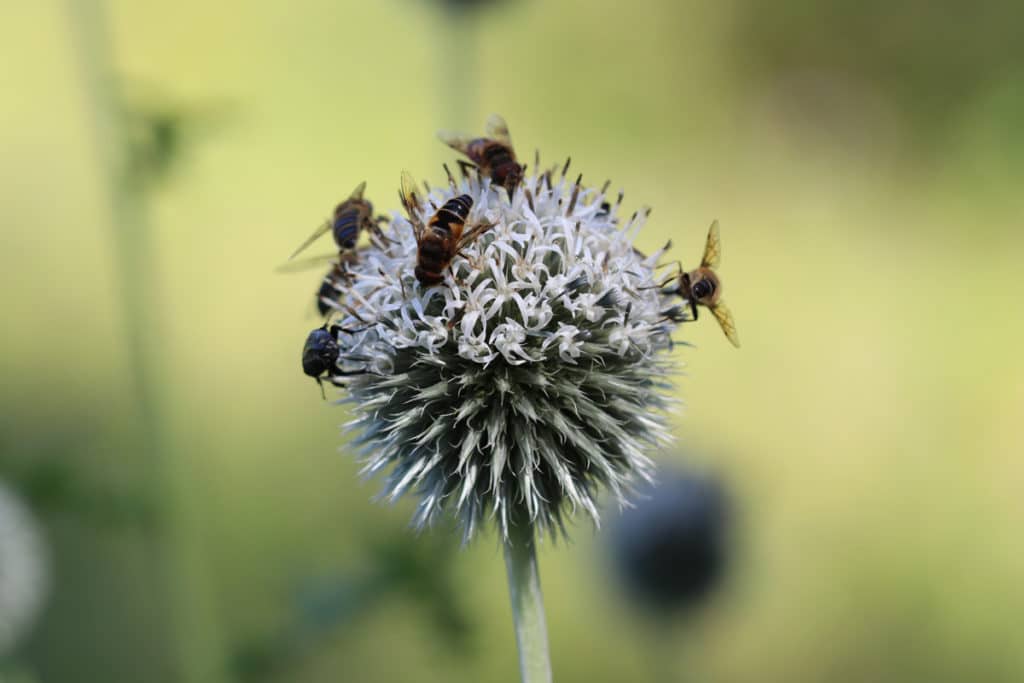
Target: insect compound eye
{"x":702,"y":289}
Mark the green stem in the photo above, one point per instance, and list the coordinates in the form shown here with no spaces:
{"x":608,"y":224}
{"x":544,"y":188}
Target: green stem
{"x":459,"y":85}
{"x":178,"y":558}
{"x":527,"y":603}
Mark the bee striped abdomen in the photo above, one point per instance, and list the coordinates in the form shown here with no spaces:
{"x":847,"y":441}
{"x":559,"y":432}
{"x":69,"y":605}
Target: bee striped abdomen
{"x":454,"y":212}
{"x":438,"y":243}
{"x":347,"y":223}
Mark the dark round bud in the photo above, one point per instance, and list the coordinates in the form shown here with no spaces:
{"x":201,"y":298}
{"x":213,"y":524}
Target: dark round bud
{"x":468,"y":3}
{"x":671,"y":549}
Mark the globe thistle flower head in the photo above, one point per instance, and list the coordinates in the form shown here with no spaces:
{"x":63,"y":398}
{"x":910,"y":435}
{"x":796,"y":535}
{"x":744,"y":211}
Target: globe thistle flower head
{"x":670,"y":550}
{"x":531,"y":377}
{"x":23,"y":570}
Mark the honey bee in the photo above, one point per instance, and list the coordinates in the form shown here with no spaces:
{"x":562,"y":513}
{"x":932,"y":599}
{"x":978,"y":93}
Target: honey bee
{"x":443,"y":237}
{"x":338,"y":275}
{"x":350,"y":217}
{"x":331,"y":286}
{"x":703,"y":287}
{"x":493,"y":155}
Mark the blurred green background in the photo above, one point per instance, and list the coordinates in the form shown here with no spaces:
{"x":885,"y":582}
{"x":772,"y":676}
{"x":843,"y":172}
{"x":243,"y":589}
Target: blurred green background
{"x":865,"y":160}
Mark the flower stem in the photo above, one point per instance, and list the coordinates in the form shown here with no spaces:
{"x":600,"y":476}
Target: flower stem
{"x":178,"y":557}
{"x":527,"y":603}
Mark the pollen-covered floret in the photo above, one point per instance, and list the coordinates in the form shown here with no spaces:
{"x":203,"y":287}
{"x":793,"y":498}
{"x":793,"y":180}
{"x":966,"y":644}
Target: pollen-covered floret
{"x":532,"y":377}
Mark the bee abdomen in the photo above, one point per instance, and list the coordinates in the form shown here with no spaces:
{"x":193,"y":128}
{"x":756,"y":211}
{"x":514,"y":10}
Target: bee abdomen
{"x":455,"y":210}
{"x":346,"y":228}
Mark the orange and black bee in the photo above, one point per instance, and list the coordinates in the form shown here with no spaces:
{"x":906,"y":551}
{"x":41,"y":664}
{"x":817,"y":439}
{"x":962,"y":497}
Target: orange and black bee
{"x":440,"y":240}
{"x":493,"y":155}
{"x":350,"y":217}
{"x":703,"y":287}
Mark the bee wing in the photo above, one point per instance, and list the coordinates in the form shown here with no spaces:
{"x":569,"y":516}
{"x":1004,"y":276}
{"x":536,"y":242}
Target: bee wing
{"x":357,"y":193}
{"x":410,"y":200}
{"x":457,"y":141}
{"x":312,"y":238}
{"x":408,"y":192}
{"x":497,"y":129}
{"x":306,"y":263}
{"x":713,"y":248}
{"x":724,"y":318}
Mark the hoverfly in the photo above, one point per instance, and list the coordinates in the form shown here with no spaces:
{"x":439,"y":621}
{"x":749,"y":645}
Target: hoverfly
{"x":350,"y":217}
{"x":703,"y":287}
{"x":493,"y":155}
{"x":443,"y":237}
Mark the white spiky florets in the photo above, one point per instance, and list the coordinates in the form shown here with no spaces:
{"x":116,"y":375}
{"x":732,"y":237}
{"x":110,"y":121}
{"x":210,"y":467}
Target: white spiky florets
{"x":23,"y":570}
{"x":531,"y":378}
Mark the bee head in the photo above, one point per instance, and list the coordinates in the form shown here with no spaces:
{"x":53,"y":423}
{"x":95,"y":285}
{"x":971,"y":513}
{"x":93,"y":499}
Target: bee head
{"x":703,"y":289}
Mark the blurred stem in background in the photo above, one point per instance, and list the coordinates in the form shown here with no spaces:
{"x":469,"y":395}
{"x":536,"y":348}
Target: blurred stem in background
{"x":458,"y":85}
{"x":527,"y":602}
{"x":178,"y":561}
{"x":395,"y":569}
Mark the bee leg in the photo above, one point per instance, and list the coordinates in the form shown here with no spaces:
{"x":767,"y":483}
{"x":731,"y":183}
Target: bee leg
{"x":320,"y":383}
{"x":378,"y":233}
{"x":662,"y":285}
{"x":474,"y":232}
{"x":463,"y":166}
{"x":677,"y":263}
